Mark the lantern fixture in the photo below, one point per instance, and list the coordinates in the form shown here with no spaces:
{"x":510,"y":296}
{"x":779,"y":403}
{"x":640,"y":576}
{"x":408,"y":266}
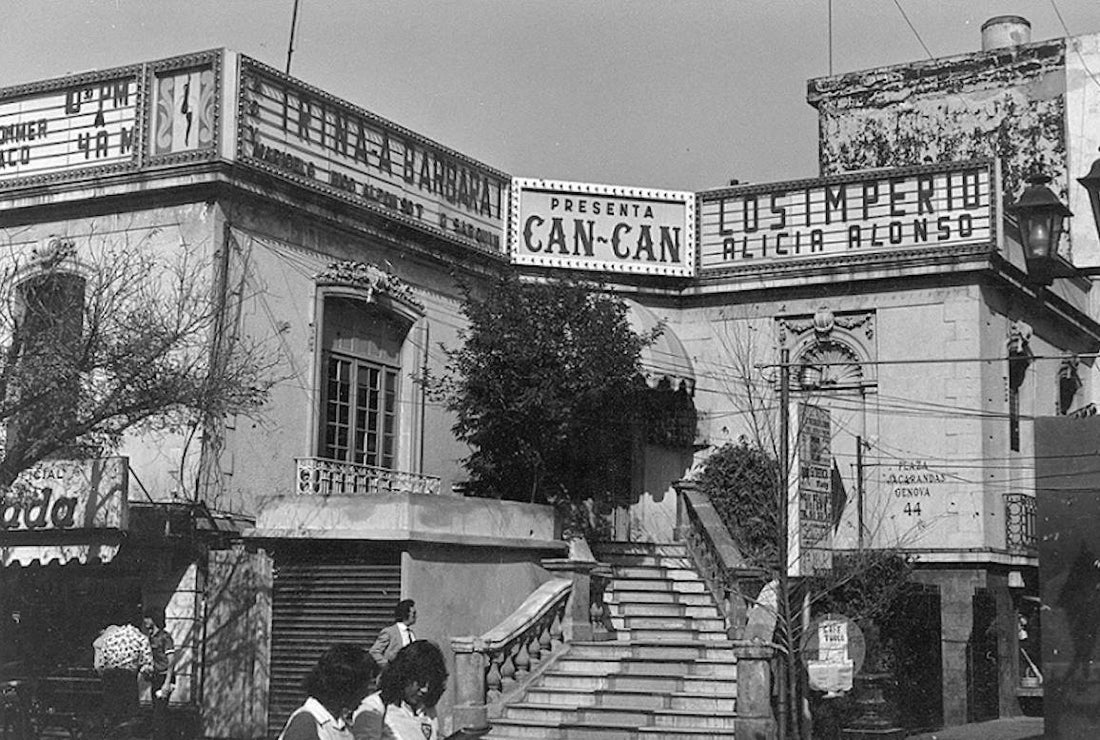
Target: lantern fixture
{"x":1091,"y":181}
{"x":1040,"y":216}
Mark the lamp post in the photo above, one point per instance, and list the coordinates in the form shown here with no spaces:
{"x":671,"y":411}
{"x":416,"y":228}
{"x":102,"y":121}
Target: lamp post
{"x":1039,"y":215}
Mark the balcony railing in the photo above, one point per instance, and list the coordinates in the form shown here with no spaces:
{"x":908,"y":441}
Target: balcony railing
{"x":320,"y":477}
{"x":1020,"y":537}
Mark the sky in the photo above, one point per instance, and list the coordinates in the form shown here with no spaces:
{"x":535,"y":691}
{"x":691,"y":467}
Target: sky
{"x":674,"y":94}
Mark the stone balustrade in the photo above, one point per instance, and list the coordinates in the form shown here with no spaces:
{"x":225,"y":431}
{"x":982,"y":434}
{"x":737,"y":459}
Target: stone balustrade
{"x":322,"y":477}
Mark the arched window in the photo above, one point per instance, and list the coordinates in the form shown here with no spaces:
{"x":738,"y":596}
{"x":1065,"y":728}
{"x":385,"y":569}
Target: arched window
{"x":366,"y":315}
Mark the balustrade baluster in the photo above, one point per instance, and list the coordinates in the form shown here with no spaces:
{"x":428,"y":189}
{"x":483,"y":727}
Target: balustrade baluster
{"x":556,"y":629}
{"x":494,"y":677}
{"x":523,"y":658}
{"x":534,"y":649}
{"x":508,"y":667}
{"x":545,"y":641}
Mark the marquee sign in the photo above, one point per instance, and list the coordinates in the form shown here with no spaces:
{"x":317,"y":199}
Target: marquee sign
{"x":71,"y":124}
{"x":602,"y":227}
{"x":68,"y":494}
{"x":303,"y":134}
{"x":873,"y":212}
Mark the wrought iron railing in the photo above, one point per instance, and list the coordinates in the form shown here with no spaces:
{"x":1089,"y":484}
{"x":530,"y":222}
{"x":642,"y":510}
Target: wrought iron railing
{"x":321,"y":477}
{"x":1020,"y":536}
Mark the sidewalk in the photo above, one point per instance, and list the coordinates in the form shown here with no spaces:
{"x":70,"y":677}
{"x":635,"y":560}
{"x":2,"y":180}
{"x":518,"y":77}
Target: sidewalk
{"x":1014,"y":728}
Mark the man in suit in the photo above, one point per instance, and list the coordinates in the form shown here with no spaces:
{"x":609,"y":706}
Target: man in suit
{"x":399,"y":634}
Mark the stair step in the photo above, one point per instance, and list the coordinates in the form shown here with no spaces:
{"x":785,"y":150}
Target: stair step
{"x":664,"y":561}
{"x":670,"y":635}
{"x":629,"y":596}
{"x":702,"y":611}
{"x":657,"y":584}
{"x":676,"y":623}
{"x":672,"y":650}
{"x":612,"y":549}
{"x":649,"y":571}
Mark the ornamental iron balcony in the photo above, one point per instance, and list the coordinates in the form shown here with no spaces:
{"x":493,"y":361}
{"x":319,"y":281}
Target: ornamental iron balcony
{"x":321,"y":477}
{"x":1020,"y":536}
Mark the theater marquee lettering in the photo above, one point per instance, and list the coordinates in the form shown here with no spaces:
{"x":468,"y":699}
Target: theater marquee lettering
{"x":881,"y":212}
{"x":314,"y":138}
{"x":602,"y":227}
{"x":72,"y":126}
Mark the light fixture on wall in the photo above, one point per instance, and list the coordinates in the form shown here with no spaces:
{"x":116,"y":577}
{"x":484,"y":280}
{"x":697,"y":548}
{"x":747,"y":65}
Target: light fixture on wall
{"x":1040,"y":216}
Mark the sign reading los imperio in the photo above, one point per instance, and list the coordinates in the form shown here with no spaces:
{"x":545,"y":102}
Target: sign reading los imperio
{"x":857,"y":213}
{"x":602,"y":227}
{"x":68,"y":494}
{"x":304,"y":134}
{"x":69,"y":124}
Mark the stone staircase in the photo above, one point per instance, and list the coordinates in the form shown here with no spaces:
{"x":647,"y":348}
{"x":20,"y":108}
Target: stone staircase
{"x":670,"y":673}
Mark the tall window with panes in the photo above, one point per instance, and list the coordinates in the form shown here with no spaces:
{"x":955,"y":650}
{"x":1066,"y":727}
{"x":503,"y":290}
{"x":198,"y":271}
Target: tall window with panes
{"x":361,"y":366}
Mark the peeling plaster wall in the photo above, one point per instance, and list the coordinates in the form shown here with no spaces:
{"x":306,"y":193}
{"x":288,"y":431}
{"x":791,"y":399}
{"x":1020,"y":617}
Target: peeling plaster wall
{"x":1009,"y":103}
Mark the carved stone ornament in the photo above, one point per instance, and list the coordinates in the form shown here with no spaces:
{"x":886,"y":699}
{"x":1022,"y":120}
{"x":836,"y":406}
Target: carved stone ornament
{"x":370,"y":279}
{"x":1019,"y":338}
{"x":52,"y":252}
{"x":823,"y":322}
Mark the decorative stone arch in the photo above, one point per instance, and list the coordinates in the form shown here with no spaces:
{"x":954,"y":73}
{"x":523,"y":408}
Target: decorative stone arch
{"x":831,"y":351}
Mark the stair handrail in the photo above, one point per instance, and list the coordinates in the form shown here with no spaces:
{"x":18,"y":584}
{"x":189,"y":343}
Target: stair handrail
{"x":490,"y":666}
{"x":729,"y":577}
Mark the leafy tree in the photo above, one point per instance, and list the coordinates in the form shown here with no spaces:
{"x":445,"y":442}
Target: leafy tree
{"x":545,"y":387}
{"x":114,"y":339}
{"x":740,"y":480}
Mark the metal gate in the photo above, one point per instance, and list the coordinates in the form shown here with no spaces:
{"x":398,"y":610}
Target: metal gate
{"x":320,"y":597}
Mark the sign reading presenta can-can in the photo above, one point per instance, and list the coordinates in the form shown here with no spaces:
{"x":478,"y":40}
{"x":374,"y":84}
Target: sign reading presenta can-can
{"x":72,"y":124}
{"x":809,"y":492}
{"x":68,"y":494}
{"x":602,"y":227}
{"x":880,"y":211}
{"x":303,"y":134}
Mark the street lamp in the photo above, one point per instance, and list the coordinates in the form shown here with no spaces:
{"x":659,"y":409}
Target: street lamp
{"x":1039,"y":215}
{"x":1091,"y":181}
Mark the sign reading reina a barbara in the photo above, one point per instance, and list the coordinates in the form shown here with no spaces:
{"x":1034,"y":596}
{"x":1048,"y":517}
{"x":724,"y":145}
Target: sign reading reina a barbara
{"x":297,"y":131}
{"x":602,"y":227}
{"x":857,"y":213}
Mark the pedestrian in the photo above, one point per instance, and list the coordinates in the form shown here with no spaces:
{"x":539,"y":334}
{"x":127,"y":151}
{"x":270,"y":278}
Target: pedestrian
{"x":160,"y":675}
{"x":404,"y":707}
{"x":399,"y":634}
{"x":334,"y":688}
{"x":121,"y":652}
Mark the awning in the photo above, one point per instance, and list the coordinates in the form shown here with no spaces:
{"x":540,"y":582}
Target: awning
{"x":101,"y":552}
{"x":665,"y":359}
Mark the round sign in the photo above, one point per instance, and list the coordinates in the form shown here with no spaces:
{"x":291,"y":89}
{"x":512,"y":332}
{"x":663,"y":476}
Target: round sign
{"x":832,"y":650}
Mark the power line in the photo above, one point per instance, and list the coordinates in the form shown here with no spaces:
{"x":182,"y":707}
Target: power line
{"x":913,"y":29}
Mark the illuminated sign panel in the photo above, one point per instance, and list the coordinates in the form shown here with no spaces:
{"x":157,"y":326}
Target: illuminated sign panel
{"x":301,"y":133}
{"x":75,"y":123}
{"x":602,"y":228}
{"x":879,"y":211}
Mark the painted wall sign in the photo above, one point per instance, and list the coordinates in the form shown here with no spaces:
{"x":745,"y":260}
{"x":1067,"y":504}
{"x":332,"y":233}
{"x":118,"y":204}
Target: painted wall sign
{"x":602,"y":227}
{"x":306,"y":135}
{"x":809,"y":507}
{"x":852,"y":214}
{"x":68,"y":494}
{"x":69,"y":124}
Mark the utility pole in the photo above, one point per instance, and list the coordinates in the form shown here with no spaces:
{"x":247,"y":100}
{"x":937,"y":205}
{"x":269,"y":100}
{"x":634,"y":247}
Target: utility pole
{"x":859,"y":492}
{"x":788,"y":667}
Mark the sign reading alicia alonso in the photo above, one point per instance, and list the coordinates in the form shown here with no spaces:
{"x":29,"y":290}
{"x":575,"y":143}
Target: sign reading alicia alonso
{"x":878,"y":211}
{"x":602,"y":227}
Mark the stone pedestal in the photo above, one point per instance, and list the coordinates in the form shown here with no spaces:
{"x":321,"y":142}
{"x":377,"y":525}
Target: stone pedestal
{"x":876,"y":718}
{"x":754,"y":692}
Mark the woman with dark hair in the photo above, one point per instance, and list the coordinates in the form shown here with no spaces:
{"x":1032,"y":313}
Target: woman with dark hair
{"x":404,"y":706}
{"x":335,"y":686}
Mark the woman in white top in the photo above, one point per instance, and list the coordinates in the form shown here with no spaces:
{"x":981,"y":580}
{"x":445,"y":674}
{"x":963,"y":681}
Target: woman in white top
{"x":335,"y":686}
{"x":404,"y":707}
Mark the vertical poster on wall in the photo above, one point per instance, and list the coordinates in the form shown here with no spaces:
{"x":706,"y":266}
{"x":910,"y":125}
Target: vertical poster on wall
{"x":809,"y":491}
